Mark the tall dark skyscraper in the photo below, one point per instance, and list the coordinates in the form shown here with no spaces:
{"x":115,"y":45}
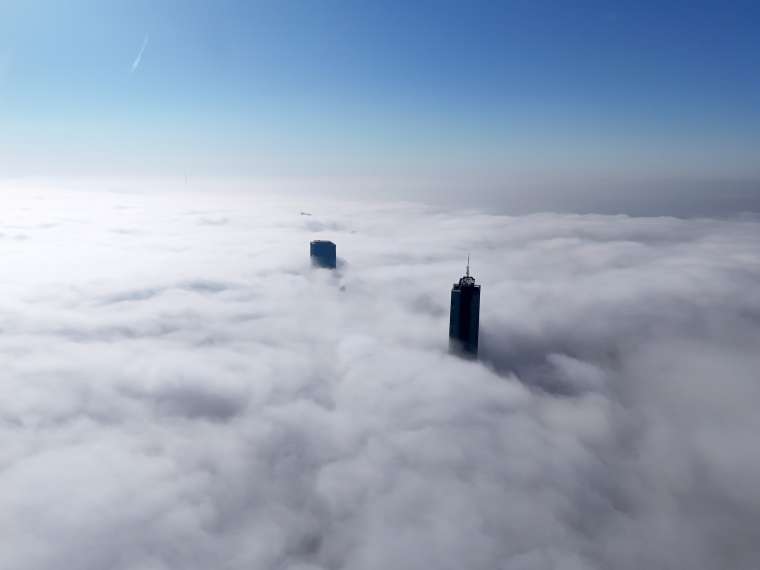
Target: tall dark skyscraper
{"x":323,"y":254}
{"x":464,"y":319}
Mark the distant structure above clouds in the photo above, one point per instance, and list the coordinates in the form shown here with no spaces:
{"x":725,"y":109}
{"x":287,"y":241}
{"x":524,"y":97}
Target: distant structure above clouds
{"x":323,"y":254}
{"x":464,"y":319}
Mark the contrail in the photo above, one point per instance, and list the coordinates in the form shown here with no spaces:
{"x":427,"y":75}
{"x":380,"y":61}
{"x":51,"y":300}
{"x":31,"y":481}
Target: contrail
{"x":136,"y":62}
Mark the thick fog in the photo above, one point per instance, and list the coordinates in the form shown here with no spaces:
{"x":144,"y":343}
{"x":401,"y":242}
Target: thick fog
{"x":181,"y":390}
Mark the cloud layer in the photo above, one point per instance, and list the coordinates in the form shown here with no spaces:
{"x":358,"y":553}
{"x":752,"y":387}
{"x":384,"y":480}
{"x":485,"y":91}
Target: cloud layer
{"x":181,"y":390}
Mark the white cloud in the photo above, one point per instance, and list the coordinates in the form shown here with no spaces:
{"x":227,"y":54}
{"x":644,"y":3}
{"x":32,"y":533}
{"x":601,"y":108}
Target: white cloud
{"x":181,"y":390}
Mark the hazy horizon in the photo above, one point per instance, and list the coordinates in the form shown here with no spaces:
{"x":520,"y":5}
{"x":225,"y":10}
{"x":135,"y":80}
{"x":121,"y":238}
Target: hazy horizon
{"x":681,"y":199}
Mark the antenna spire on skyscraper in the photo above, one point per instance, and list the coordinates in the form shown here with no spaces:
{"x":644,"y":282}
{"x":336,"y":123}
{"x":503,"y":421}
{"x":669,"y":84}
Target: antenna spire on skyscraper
{"x":468,"y":265}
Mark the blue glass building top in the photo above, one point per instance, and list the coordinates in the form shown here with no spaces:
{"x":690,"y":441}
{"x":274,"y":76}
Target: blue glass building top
{"x":323,"y":254}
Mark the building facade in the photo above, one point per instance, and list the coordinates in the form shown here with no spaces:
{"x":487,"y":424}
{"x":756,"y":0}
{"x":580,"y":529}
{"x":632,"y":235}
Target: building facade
{"x":323,"y":254}
{"x":464,"y":319}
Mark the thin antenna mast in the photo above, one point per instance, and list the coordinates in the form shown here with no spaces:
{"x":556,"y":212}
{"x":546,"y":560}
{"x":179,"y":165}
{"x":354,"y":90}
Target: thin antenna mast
{"x":468,"y":265}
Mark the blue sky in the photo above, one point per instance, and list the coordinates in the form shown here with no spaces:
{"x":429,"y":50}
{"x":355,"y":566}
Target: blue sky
{"x":567,"y":91}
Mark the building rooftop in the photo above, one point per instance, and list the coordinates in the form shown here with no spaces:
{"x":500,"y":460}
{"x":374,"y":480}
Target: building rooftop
{"x":467,"y":280}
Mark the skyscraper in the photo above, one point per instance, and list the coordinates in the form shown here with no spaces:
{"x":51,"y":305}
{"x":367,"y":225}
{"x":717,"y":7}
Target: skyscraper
{"x":323,"y":253}
{"x":464,"y":319}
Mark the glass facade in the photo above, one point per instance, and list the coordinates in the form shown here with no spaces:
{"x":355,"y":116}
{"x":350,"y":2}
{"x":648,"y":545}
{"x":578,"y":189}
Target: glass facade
{"x":323,"y":254}
{"x":464,"y":319}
